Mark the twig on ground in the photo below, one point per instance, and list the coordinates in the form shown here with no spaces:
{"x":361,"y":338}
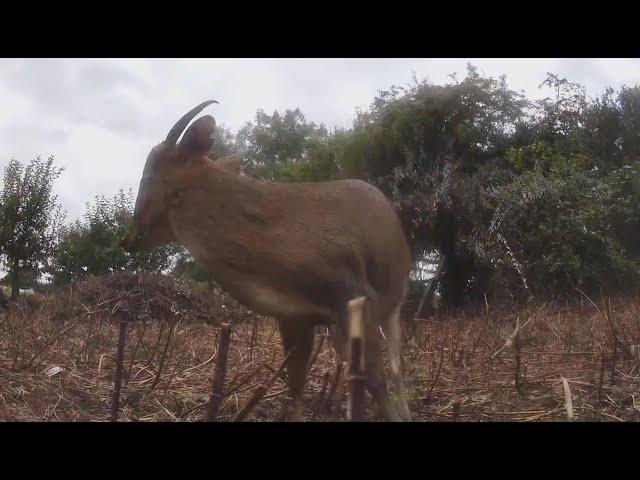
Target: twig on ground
{"x":260,"y":391}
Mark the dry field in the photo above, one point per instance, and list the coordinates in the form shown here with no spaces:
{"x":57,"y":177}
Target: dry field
{"x":58,"y":360}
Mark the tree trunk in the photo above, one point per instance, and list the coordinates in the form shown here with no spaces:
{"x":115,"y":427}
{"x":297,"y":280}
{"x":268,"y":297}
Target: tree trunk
{"x":430,"y":289}
{"x":15,"y":281}
{"x":457,"y":271}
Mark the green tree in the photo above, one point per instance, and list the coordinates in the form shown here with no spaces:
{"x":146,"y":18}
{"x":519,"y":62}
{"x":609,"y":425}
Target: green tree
{"x":629,"y":105}
{"x":224,"y":142}
{"x":29,"y":218}
{"x":273,"y":145}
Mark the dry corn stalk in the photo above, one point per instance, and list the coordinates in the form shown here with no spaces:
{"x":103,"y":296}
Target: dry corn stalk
{"x":568,"y":399}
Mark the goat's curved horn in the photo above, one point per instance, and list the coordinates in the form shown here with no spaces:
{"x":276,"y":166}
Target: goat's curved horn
{"x":179,"y":127}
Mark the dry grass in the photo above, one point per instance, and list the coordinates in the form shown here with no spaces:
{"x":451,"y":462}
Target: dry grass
{"x":57,"y":360}
{"x":476,"y":369}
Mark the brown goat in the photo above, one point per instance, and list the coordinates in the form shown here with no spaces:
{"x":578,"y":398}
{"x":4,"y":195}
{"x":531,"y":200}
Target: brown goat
{"x":295,"y":251}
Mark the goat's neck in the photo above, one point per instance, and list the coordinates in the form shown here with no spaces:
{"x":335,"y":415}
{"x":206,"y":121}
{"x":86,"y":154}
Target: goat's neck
{"x":219,"y":216}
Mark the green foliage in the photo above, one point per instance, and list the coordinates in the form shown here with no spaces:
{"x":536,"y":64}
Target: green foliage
{"x":540,"y":158}
{"x":421,"y":124}
{"x":274,"y":145}
{"x":91,"y":246}
{"x":523,"y":197}
{"x":554,"y":232}
{"x":624,"y":213}
{"x":29,"y":218}
{"x":224,"y":142}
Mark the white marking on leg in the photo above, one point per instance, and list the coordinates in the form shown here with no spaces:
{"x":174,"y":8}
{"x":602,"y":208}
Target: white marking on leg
{"x":382,"y":333}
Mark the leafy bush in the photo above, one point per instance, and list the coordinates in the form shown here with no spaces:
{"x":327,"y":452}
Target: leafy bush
{"x":558,"y":225}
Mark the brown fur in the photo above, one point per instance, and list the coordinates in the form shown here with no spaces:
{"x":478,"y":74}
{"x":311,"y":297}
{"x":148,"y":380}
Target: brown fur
{"x":298,"y":252}
{"x":324,"y":238}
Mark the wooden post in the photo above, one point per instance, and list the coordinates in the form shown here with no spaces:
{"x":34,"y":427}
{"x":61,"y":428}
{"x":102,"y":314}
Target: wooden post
{"x":218,"y":376}
{"x":117,"y":382}
{"x":357,"y":366}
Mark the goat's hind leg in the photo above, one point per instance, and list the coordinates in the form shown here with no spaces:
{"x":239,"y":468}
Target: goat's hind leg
{"x":376,"y":373}
{"x":377,"y":376}
{"x":297,"y":338}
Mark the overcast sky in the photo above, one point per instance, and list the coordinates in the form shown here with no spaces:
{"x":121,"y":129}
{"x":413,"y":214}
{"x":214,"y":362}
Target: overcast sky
{"x":100,"y":117}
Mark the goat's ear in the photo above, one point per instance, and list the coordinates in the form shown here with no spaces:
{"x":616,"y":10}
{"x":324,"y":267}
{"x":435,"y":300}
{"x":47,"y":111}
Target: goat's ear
{"x":230,"y":163}
{"x":199,"y":136}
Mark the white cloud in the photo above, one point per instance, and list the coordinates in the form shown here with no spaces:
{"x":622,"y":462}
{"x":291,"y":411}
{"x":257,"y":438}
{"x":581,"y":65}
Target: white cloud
{"x":100,"y":117}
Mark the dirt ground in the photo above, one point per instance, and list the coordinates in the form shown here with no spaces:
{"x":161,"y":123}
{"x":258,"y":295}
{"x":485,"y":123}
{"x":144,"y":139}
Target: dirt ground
{"x":58,"y":359}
